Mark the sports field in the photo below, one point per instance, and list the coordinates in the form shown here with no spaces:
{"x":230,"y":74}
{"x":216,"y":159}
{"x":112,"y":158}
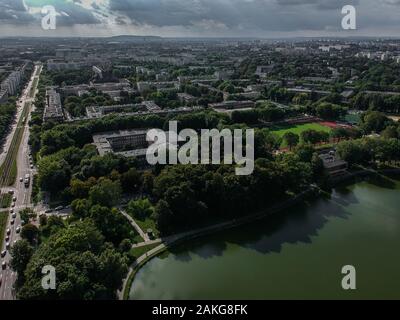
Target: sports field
{"x":298,"y":129}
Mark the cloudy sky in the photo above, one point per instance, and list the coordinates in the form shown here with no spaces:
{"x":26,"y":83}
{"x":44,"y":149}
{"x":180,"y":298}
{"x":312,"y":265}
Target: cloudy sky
{"x":200,"y":18}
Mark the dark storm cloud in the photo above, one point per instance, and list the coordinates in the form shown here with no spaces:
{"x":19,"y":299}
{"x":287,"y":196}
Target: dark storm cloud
{"x":75,"y":15}
{"x":259,"y":14}
{"x":319,"y":4}
{"x":13,"y":11}
{"x":233,"y":17}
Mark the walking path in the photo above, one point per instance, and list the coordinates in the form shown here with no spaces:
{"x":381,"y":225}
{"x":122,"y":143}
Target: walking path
{"x":136,"y":226}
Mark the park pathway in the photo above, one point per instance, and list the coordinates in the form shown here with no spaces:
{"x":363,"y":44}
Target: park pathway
{"x":137,"y":227}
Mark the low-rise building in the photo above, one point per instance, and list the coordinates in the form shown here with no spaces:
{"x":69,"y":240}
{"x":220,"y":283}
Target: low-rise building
{"x":3,"y":96}
{"x":232,"y":105}
{"x":186,"y":98}
{"x":53,"y":110}
{"x":333,"y":165}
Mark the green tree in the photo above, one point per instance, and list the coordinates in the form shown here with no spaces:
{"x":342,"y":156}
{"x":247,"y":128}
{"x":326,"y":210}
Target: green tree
{"x":21,"y":253}
{"x":140,"y":209}
{"x":87,"y":267}
{"x":29,"y":232}
{"x":106,"y":193}
{"x":291,"y":139}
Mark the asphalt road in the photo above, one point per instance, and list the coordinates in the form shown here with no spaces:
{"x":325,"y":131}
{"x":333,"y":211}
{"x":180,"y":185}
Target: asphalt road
{"x":23,"y":196}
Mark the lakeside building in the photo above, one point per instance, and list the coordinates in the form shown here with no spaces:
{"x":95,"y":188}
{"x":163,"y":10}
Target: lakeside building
{"x":332,"y":164}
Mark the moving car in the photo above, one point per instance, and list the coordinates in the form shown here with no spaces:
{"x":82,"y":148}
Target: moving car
{"x":27,"y":180}
{"x":59,"y":208}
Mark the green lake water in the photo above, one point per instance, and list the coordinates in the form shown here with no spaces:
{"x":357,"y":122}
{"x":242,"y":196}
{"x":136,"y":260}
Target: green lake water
{"x":297,"y":254}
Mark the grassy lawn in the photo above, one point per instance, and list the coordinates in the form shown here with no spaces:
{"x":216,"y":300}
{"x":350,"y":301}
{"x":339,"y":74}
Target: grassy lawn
{"x":5,"y":200}
{"x":3,"y":223}
{"x":147,"y":224}
{"x":137,"y":252}
{"x":298,"y":129}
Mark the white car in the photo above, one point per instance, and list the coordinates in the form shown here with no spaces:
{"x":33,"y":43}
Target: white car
{"x":14,"y":215}
{"x":21,"y":179}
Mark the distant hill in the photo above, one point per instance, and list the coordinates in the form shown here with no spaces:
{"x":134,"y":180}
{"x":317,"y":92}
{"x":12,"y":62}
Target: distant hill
{"x":127,"y":38}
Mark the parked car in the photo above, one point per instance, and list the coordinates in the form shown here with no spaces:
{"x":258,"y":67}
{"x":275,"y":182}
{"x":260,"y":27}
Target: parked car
{"x":8,"y":231}
{"x":49,"y":211}
{"x":14,"y":199}
{"x":18,"y":230}
{"x":4,"y":265}
{"x":59,"y":208}
{"x":14,"y":215}
{"x":21,"y":179}
{"x":12,"y":222}
{"x":3,"y":253}
{"x":8,"y":246}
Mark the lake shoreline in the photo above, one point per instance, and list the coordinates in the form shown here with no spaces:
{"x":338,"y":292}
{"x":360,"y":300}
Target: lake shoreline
{"x":266,"y":213}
